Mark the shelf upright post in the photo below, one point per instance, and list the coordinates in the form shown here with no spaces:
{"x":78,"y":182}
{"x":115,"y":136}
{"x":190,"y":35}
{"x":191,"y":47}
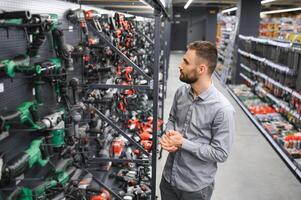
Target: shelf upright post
{"x":166,"y":39}
{"x":248,"y":19}
{"x":155,"y":98}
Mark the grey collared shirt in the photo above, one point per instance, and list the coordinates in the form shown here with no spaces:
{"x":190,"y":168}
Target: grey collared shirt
{"x":207,"y":125}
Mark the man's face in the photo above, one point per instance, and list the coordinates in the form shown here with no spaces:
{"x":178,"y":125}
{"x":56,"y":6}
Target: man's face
{"x":189,"y":71}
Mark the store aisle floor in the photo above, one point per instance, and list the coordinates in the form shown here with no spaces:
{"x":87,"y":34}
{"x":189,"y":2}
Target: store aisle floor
{"x":253,"y":170}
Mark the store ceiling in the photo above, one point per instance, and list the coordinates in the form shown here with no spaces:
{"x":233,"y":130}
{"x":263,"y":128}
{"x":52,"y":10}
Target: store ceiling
{"x":140,"y":8}
{"x":213,"y":3}
{"x":278,"y":4}
{"x":134,"y":7}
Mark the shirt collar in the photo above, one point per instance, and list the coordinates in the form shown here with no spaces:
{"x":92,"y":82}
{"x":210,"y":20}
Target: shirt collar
{"x":204,"y":95}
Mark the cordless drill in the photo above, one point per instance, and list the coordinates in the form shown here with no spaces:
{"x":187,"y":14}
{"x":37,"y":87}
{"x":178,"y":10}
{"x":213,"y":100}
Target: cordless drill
{"x":55,"y":124}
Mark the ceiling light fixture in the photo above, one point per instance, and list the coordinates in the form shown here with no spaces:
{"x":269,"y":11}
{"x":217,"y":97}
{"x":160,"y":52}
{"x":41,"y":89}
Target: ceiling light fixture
{"x":267,"y":1}
{"x":235,"y":8}
{"x":229,"y":10}
{"x":281,"y":11}
{"x":187,"y":4}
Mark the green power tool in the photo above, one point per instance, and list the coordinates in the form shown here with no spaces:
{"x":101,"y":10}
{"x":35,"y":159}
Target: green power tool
{"x":39,"y":26}
{"x":20,"y":64}
{"x":53,"y":123}
{"x":25,"y":160}
{"x":39,"y":192}
{"x":25,"y":111}
{"x":61,"y":177}
{"x":11,"y":66}
{"x":23,"y":114}
{"x":15,"y":17}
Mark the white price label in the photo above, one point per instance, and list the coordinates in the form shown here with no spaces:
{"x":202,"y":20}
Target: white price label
{"x":1,"y":87}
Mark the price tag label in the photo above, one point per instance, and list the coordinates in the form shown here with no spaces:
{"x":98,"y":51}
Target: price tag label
{"x":1,"y":87}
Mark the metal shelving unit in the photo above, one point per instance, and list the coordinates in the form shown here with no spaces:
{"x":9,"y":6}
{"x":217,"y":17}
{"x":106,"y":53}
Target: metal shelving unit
{"x":285,"y":157}
{"x":153,"y":85}
{"x":253,"y":74}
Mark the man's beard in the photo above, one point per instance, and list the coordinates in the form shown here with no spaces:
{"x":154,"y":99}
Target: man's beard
{"x":188,"y":78}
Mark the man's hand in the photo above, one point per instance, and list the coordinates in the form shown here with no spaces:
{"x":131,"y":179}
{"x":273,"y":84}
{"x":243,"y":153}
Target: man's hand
{"x":165,"y":144}
{"x":175,"y":138}
{"x":171,"y":141}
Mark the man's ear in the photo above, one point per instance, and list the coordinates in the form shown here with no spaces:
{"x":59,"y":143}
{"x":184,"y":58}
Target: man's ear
{"x":202,"y":68}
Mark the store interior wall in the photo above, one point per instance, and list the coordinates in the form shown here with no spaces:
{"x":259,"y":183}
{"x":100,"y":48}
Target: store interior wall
{"x":197,"y":30}
{"x":211,"y":24}
{"x":201,"y":25}
{"x":179,"y":36}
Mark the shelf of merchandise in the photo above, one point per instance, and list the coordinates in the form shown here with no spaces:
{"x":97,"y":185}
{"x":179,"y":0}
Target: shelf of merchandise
{"x":159,"y":11}
{"x":291,"y":164}
{"x":263,"y":76}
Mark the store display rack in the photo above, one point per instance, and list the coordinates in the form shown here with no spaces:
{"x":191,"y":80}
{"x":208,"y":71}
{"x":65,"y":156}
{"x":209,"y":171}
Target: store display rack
{"x":225,"y":45}
{"x":271,"y":70}
{"x":16,"y":91}
{"x":293,"y":166}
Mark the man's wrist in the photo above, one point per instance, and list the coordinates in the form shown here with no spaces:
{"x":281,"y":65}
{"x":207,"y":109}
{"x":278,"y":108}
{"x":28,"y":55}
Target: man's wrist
{"x":179,"y":145}
{"x":187,"y":144}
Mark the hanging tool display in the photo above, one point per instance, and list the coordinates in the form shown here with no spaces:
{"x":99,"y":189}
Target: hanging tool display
{"x":38,"y":27}
{"x":103,"y":130}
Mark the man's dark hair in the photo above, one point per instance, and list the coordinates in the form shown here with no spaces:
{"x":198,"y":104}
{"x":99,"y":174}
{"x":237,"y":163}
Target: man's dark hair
{"x":207,"y":51}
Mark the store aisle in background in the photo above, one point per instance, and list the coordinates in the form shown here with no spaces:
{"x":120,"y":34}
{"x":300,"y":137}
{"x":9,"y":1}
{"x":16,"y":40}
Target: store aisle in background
{"x":253,"y":170}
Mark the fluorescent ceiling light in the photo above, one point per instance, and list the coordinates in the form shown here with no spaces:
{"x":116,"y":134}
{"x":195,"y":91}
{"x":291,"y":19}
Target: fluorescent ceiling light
{"x":267,"y":1}
{"x":229,"y":10}
{"x":280,"y":11}
{"x":188,"y":4}
{"x":235,"y":8}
